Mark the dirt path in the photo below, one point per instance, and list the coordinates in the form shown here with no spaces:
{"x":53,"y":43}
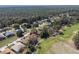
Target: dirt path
{"x":63,"y":47}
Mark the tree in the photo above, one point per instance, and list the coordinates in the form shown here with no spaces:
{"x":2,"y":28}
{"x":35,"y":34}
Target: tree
{"x":76,"y":40}
{"x":16,"y":26}
{"x":28,"y":25}
{"x":50,"y":31}
{"x":33,"y":40}
{"x":44,"y":33}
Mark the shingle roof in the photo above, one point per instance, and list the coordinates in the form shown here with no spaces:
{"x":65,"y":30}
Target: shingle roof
{"x":9,"y":33}
{"x":18,"y":47}
{"x":2,"y":36}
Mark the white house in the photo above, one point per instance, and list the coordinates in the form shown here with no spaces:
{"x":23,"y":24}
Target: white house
{"x":18,"y":47}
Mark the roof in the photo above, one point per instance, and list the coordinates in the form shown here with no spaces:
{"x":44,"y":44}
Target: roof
{"x":3,"y":48}
{"x":18,"y":47}
{"x":2,"y":36}
{"x":15,"y":42}
{"x":18,"y":29}
{"x":8,"y":51}
{"x":24,"y":41}
{"x":9,"y":33}
{"x":18,"y":39}
{"x":0,"y":30}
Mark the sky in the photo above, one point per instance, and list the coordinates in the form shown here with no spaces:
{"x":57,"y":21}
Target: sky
{"x":39,"y":2}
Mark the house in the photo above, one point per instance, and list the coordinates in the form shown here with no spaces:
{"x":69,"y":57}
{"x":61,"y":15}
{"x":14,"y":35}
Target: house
{"x":5,"y":29}
{"x":24,"y":41}
{"x":0,"y":30}
{"x":9,"y":34}
{"x":49,"y":24}
{"x":45,"y":19}
{"x":19,"y":33}
{"x":3,"y":48}
{"x":39,"y":22}
{"x":2,"y":37}
{"x":35,"y":24}
{"x":14,"y":43}
{"x":19,"y":47}
{"x":7,"y":51}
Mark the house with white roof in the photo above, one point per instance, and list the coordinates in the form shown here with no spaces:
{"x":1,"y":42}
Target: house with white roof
{"x":18,"y":47}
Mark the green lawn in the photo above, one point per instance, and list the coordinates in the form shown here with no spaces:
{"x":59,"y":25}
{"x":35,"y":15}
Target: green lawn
{"x":7,"y":41}
{"x":46,"y":44}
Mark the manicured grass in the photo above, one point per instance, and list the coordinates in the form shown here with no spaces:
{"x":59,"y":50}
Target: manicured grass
{"x":69,"y":31}
{"x":46,"y":44}
{"x":7,"y":41}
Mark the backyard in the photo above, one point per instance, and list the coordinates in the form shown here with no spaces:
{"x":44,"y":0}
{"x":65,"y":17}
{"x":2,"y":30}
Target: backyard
{"x":47,"y":44}
{"x":7,"y":41}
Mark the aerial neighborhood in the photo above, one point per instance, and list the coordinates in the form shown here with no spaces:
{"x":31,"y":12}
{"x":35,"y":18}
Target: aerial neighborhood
{"x":33,"y":31}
